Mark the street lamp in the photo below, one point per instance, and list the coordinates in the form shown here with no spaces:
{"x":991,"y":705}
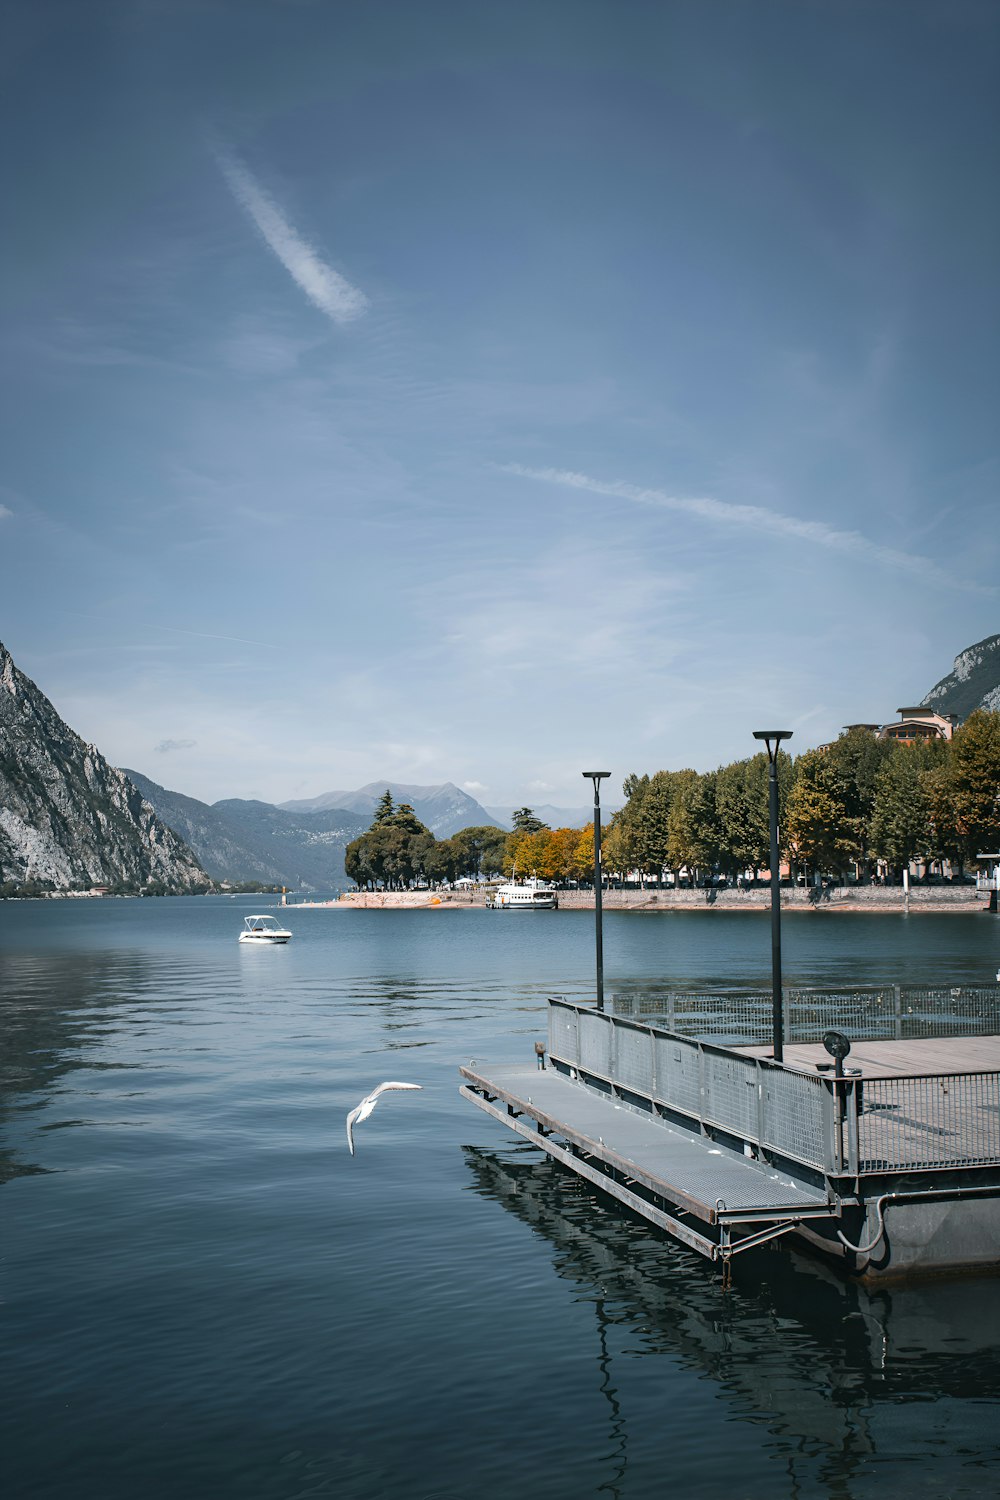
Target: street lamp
{"x":597,"y":777}
{"x":772,"y":739}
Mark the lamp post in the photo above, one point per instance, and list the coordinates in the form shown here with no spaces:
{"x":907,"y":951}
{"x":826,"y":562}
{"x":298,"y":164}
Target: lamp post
{"x":772,"y":739}
{"x":597,"y":777}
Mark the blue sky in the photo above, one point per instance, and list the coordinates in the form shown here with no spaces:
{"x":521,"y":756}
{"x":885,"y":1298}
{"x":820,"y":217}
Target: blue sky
{"x":478,"y":392}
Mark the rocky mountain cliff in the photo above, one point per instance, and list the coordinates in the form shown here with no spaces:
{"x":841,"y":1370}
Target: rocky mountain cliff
{"x":67,"y":818}
{"x":973,"y":682}
{"x":444,"y":809}
{"x":239,"y":840}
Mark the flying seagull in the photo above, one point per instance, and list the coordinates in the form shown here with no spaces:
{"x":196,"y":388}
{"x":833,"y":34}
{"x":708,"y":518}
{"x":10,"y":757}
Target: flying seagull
{"x":366,"y":1106}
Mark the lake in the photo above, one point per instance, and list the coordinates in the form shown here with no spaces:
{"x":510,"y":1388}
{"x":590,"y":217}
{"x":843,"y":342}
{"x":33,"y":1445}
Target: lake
{"x":205,"y":1294}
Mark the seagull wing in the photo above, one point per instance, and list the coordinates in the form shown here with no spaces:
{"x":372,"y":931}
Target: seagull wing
{"x":364,"y":1109}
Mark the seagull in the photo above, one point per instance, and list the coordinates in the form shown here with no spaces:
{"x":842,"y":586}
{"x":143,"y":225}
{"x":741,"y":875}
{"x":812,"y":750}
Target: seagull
{"x":366,"y":1106}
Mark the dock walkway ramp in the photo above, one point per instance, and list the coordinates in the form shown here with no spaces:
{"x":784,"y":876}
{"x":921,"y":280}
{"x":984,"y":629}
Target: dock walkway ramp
{"x":698,"y":1189}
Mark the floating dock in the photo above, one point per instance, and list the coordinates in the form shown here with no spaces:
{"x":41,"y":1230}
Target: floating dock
{"x":893,"y":1168}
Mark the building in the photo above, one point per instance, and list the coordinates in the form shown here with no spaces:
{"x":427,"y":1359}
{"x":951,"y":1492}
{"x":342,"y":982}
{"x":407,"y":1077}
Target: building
{"x":919,"y":723}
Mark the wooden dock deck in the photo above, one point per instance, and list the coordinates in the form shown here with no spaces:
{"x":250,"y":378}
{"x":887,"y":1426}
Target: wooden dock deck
{"x":921,"y":1057}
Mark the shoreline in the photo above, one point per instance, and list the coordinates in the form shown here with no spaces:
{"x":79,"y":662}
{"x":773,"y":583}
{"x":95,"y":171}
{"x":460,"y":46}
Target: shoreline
{"x":964,"y":900}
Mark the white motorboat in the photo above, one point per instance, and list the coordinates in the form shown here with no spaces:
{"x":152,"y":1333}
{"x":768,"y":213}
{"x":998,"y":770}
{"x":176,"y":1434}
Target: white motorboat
{"x":263,"y":930}
{"x":525,"y":895}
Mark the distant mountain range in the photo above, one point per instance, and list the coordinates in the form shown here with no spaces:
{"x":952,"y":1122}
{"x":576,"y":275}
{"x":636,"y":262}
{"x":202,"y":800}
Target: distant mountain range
{"x":241,"y":841}
{"x":973,"y":682}
{"x":67,"y":819}
{"x":444,"y":809}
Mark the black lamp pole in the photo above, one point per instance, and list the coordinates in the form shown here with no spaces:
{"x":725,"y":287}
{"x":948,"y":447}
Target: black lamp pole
{"x":772,"y":739}
{"x":597,"y":777}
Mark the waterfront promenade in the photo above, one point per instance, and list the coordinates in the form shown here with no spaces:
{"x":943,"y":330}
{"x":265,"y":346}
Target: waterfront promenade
{"x":871,"y":899}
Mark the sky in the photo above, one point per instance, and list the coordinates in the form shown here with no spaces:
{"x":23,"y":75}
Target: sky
{"x":489,"y":392}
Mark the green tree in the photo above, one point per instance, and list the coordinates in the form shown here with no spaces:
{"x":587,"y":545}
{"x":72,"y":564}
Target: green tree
{"x":480,"y":850}
{"x":395,"y":850}
{"x":685,"y":845}
{"x":860,"y":758}
{"x":817,"y":827}
{"x":900,"y":828}
{"x":385,"y":809}
{"x":742,"y":805}
{"x":974,"y":767}
{"x":524,"y":821}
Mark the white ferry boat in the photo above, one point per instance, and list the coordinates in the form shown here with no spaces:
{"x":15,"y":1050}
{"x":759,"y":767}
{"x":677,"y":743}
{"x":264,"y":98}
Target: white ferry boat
{"x":263,"y":930}
{"x":525,"y":895}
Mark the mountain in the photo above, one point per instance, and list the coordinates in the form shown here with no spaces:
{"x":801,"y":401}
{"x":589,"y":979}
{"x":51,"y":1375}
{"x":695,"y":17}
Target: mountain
{"x":68,"y":820}
{"x":238,"y":840}
{"x":443,"y":809}
{"x":556,"y":817}
{"x":973,"y":682}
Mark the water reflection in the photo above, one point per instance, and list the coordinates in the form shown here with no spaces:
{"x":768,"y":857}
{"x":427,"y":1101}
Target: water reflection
{"x":60,"y":1010}
{"x":822,"y":1364}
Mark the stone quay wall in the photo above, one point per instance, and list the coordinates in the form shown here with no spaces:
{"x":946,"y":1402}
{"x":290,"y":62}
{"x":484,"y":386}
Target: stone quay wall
{"x":864,"y":898}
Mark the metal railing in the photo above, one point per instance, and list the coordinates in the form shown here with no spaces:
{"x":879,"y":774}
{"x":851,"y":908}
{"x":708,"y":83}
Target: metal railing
{"x":891,"y":1012}
{"x":944,"y":1120}
{"x":835,"y":1126}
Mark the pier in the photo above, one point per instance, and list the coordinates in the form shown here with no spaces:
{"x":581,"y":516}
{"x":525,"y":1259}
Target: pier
{"x":892,"y":1164}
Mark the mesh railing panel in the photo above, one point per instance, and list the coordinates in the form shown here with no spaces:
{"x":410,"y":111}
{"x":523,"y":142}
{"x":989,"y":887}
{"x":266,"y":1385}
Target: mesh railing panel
{"x":743,"y":1017}
{"x":678,"y":1073}
{"x":634,"y":1059}
{"x":730,"y":1099}
{"x":948,"y":1120}
{"x":793,"y":1115}
{"x":595,"y":1034}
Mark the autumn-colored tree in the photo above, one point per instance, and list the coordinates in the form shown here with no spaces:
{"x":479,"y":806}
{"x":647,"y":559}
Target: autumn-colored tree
{"x":582,"y":867}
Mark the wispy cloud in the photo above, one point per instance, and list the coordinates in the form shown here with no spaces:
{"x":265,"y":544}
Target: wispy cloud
{"x":5,"y":513}
{"x":165,"y":746}
{"x":759,"y":518}
{"x":325,"y":287}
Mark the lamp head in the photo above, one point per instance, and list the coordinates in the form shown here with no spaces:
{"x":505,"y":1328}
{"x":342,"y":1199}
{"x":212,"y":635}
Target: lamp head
{"x":772,"y":736}
{"x":595,"y":775}
{"x":837,"y":1044}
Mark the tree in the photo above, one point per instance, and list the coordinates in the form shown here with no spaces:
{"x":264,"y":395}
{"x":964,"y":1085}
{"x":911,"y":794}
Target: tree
{"x":859,"y":758}
{"x":395,"y":850}
{"x":900,"y":828}
{"x":817,"y":827}
{"x":480,"y":850}
{"x":683,"y":846}
{"x":974,"y":764}
{"x":385,"y":809}
{"x":742,"y":803}
{"x":524,"y":821}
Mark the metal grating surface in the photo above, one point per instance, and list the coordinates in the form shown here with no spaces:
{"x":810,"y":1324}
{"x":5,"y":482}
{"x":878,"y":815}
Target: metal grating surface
{"x":678,"y":1164}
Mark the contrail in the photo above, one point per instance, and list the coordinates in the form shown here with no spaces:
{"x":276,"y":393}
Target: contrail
{"x":325,"y":287}
{"x":757,"y":518}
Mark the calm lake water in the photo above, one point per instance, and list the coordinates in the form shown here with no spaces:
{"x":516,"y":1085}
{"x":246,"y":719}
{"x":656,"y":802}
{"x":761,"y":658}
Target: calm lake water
{"x":205,"y":1295}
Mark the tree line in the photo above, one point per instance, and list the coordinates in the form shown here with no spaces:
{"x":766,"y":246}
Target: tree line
{"x":844,"y":808}
{"x":398,"y":851}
